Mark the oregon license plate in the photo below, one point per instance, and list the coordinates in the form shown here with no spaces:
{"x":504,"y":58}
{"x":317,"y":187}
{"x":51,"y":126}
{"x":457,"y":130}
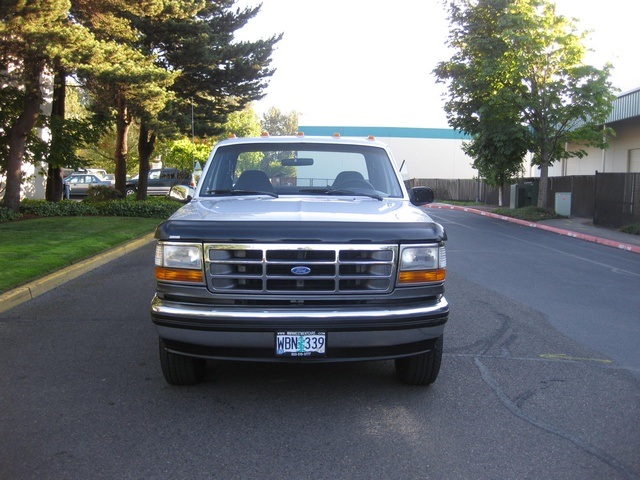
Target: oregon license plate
{"x":300,"y":344}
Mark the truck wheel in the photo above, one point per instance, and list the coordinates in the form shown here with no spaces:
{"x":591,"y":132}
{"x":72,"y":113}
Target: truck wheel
{"x":130,"y":191}
{"x":421,"y":369}
{"x":180,"y":369}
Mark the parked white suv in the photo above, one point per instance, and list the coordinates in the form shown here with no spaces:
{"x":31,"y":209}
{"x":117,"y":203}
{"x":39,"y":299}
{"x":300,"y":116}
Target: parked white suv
{"x":299,"y":249}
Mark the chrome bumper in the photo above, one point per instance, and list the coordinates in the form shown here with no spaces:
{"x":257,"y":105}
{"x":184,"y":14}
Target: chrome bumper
{"x":249,"y":334}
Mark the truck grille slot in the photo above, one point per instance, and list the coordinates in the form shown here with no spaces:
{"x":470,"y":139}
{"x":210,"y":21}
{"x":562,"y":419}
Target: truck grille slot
{"x":300,"y":269}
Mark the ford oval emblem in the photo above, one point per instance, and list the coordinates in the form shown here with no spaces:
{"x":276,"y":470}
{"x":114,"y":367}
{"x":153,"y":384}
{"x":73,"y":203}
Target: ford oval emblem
{"x":301,"y":270}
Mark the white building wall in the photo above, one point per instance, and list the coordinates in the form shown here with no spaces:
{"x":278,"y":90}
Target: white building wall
{"x":432,"y":158}
{"x":613,"y":160}
{"x":426,"y":153}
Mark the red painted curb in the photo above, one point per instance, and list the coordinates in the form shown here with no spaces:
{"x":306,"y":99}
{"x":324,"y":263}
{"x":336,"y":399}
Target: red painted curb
{"x":548,"y":228}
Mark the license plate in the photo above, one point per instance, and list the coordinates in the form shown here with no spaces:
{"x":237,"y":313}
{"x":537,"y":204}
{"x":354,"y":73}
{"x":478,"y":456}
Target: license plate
{"x":300,"y":344}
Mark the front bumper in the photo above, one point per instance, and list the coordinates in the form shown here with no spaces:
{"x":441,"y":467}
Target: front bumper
{"x":373,"y":333}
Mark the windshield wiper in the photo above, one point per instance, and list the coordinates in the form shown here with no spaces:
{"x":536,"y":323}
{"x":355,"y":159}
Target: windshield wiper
{"x":342,"y":191}
{"x":241,"y":192}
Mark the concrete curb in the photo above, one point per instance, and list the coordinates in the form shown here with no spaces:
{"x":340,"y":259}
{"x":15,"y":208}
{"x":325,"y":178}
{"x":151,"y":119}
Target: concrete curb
{"x":31,"y":290}
{"x":581,"y":236}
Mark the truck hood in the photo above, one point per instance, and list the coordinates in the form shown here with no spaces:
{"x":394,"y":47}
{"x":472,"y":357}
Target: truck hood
{"x":306,"y":209}
{"x":300,"y":220}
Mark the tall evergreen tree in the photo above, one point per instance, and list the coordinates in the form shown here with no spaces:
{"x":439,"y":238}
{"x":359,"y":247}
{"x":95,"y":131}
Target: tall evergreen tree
{"x":123,"y":79}
{"x":217,"y":75}
{"x":33,"y":33}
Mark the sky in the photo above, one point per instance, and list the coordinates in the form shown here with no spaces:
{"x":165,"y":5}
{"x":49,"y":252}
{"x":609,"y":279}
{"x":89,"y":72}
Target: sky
{"x":370,"y":62}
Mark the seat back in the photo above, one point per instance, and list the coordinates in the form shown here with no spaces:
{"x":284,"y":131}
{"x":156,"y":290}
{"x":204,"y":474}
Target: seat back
{"x":346,"y":176}
{"x":255,"y":181}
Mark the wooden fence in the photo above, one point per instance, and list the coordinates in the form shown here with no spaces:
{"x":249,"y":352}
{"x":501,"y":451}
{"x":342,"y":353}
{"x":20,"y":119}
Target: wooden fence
{"x":611,"y":199}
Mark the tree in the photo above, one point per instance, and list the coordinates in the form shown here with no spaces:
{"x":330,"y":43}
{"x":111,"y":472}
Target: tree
{"x":497,"y":151}
{"x":123,"y":79}
{"x":279,"y":123}
{"x":68,"y":134}
{"x":138,"y":49}
{"x":244,"y":123}
{"x":519,"y":57}
{"x":11,"y":106}
{"x":184,"y":154}
{"x":217,"y":76}
{"x":32,"y":34}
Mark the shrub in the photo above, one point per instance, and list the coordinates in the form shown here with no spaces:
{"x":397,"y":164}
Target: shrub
{"x":64,"y":208}
{"x":533,"y":214}
{"x":7,"y":215}
{"x":151,"y":208}
{"x":633,"y":229}
{"x":102,"y":193}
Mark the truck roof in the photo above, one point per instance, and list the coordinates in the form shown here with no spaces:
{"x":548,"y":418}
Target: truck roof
{"x":301,"y":138}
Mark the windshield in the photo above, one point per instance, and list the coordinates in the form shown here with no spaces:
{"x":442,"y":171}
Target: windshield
{"x":300,"y":169}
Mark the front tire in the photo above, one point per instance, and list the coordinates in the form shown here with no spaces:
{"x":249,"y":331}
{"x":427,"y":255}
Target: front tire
{"x":421,"y":369}
{"x":180,"y":369}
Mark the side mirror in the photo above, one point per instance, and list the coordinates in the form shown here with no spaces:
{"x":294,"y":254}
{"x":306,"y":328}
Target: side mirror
{"x":181,"y":193}
{"x":421,"y":195}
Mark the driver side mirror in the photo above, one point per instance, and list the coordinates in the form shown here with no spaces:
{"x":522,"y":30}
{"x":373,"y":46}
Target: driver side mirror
{"x":180,"y":193}
{"x":421,"y":195}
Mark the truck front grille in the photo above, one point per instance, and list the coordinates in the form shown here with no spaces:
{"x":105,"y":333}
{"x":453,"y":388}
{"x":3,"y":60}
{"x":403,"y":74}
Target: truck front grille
{"x":300,"y":269}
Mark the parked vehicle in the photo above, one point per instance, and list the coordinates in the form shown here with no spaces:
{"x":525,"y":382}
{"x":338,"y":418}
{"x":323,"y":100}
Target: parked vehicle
{"x":98,"y":171}
{"x":319,"y":254}
{"x":161,"y":180}
{"x":77,"y":184}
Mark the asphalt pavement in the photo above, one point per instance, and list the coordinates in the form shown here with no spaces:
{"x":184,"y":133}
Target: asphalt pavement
{"x":576,"y":227}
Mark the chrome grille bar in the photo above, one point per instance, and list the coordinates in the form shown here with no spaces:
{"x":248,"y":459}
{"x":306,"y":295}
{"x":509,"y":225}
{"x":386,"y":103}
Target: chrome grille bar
{"x":300,"y":269}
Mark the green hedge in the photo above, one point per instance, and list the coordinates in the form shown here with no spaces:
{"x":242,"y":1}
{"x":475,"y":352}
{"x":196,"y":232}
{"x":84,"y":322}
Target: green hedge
{"x":150,"y":208}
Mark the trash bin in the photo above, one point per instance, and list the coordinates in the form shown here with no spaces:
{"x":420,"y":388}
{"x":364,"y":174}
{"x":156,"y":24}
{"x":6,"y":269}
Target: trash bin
{"x":563,"y":204}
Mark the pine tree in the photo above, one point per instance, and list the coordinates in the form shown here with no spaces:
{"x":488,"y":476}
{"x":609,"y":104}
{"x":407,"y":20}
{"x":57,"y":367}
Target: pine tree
{"x":35,"y":37}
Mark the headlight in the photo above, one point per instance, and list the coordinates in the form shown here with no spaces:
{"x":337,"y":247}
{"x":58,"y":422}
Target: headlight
{"x":422,"y":264}
{"x":179,"y":262}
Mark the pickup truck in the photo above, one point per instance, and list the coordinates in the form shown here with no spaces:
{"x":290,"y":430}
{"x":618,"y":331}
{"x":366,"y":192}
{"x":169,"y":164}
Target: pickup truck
{"x":160,"y":181}
{"x":300,"y":249}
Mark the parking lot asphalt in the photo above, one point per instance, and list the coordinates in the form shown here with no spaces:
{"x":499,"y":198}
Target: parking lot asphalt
{"x":576,"y":227}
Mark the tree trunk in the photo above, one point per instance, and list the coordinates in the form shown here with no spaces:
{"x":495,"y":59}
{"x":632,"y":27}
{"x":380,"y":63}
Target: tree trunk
{"x":146,"y":144}
{"x":544,"y":184}
{"x":20,"y":131}
{"x":500,"y":196}
{"x":123,"y":122}
{"x":54,"y":189}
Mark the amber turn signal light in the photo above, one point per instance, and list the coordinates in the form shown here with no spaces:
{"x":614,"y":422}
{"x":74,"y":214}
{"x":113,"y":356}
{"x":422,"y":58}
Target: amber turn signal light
{"x":422,"y":276}
{"x":179,"y":275}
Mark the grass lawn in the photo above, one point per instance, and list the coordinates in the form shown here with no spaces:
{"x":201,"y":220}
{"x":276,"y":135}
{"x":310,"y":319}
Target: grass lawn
{"x":30,"y":249}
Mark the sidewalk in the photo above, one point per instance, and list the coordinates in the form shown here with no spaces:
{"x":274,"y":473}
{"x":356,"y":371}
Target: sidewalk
{"x":576,"y":227}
